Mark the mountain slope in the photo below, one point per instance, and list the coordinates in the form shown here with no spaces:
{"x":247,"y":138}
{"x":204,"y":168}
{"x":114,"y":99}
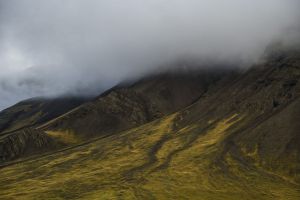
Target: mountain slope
{"x":18,"y":135}
{"x":122,"y":107}
{"x":35,"y":111}
{"x":126,"y":106}
{"x":239,"y":140}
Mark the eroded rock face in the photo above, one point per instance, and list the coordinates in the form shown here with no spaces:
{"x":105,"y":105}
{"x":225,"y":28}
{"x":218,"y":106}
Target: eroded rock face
{"x":23,"y":142}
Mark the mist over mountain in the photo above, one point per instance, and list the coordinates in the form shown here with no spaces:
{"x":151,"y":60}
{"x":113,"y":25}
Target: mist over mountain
{"x":50,"y":48}
{"x":211,"y":134}
{"x":153,"y":99}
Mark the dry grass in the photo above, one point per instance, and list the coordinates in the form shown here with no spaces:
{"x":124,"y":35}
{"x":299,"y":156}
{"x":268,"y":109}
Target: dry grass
{"x":66,"y":137}
{"x":154,"y":161}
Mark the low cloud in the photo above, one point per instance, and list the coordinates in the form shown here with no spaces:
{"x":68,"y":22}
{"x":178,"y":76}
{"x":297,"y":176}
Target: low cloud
{"x":85,"y":46}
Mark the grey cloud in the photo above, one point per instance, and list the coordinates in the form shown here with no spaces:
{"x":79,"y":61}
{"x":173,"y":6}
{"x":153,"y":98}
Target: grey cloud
{"x":84,"y":46}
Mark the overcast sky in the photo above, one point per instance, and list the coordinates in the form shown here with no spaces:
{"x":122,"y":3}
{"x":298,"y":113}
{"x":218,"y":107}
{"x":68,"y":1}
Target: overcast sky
{"x":85,"y":46}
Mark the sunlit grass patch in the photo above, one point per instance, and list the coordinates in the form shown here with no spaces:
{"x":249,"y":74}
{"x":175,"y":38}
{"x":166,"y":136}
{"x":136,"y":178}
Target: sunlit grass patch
{"x":66,"y":137}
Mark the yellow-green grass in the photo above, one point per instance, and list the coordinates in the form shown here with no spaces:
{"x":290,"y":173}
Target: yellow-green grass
{"x":155,"y":161}
{"x":65,"y":137}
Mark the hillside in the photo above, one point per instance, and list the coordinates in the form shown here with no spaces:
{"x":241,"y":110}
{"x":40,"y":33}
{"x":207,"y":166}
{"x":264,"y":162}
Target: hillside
{"x":125,"y":106}
{"x":18,"y":134}
{"x":235,"y":138}
{"x":33,"y":112}
{"x":130,"y":105}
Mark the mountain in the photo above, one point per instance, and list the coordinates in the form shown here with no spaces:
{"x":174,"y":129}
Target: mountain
{"x":125,"y":106}
{"x":130,"y":105}
{"x":229,"y":135}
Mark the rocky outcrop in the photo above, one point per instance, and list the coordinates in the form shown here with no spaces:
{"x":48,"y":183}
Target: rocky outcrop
{"x":24,"y":142}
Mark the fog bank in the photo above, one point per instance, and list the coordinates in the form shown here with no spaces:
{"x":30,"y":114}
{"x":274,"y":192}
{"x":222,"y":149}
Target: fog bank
{"x":49,"y":48}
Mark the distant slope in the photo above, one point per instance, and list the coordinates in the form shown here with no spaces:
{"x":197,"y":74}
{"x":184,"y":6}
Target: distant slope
{"x":35,"y":111}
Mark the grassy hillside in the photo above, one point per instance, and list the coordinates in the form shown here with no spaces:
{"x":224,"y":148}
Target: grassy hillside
{"x":155,"y":161}
{"x":122,"y":107}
